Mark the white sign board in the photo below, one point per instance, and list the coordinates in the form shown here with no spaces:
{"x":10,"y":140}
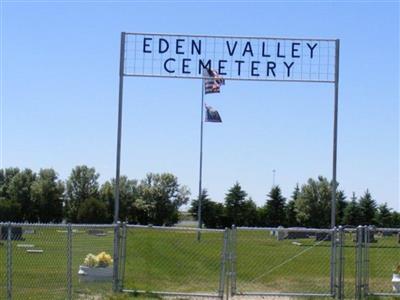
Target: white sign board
{"x":235,"y":58}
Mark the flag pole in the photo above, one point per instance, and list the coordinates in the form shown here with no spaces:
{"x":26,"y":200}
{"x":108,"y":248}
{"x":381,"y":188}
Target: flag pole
{"x":201,"y":160}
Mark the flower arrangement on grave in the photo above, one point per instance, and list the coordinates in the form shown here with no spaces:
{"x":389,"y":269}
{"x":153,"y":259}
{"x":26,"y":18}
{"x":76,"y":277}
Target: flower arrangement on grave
{"x":101,"y":260}
{"x":96,"y":267}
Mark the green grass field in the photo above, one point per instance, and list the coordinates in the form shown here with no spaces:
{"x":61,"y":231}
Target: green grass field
{"x":173,"y":260}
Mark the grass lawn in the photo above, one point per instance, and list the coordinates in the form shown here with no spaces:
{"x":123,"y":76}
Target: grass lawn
{"x":165,"y":260}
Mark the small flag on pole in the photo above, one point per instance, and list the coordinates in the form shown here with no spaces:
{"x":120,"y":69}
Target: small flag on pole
{"x":212,"y":115}
{"x":213,"y":81}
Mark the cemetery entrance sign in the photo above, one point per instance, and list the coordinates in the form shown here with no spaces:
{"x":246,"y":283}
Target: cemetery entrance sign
{"x":234,"y":58}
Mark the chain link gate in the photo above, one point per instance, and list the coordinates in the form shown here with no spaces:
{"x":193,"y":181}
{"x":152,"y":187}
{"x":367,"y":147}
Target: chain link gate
{"x":378,"y":254}
{"x":171,"y":261}
{"x":298,"y":262}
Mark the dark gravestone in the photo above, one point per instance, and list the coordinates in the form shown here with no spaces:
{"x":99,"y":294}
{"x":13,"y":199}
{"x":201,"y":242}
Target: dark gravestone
{"x":387,"y":233}
{"x":16,"y":233}
{"x":323,"y":236}
{"x":390,"y":232}
{"x":292,"y":235}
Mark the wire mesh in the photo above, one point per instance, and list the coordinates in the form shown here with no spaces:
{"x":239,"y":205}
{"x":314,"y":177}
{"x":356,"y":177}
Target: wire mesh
{"x":350,"y":259}
{"x":87,"y":239}
{"x":39,"y":262}
{"x":3,"y":262}
{"x":383,"y":258}
{"x":236,"y":58}
{"x":282,"y":261}
{"x":173,"y":260}
{"x":267,"y":261}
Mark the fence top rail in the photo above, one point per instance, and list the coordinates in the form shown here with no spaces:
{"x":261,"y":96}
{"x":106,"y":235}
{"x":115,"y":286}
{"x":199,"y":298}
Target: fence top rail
{"x":174,"y":228}
{"x":291,"y":229}
{"x":386,"y":229}
{"x":371,"y":228}
{"x":59,"y":225}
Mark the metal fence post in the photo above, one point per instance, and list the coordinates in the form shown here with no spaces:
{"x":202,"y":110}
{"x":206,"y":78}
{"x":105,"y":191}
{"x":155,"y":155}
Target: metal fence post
{"x":9,"y":262}
{"x":122,"y":257}
{"x":69,"y":262}
{"x":116,"y":257}
{"x":223,"y":264}
{"x":367,"y":232}
{"x":340,"y":271}
{"x":233,"y":259}
{"x":333,"y":262}
{"x":359,"y":257}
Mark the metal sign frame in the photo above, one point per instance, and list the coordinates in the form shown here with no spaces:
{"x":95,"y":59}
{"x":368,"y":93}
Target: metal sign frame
{"x":122,"y":74}
{"x":223,"y":38}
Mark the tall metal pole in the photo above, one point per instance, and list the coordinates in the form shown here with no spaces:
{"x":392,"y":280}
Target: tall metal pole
{"x":118,"y":164}
{"x":335,"y":129}
{"x":334,"y":290}
{"x":201,"y":160}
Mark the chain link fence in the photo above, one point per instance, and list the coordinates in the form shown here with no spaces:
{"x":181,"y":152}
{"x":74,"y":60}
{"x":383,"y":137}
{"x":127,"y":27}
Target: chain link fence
{"x":369,"y":256}
{"x":381,"y":256}
{"x":283,"y":262}
{"x":3,"y":264}
{"x":348,"y":260}
{"x":174,"y":261}
{"x":42,"y":261}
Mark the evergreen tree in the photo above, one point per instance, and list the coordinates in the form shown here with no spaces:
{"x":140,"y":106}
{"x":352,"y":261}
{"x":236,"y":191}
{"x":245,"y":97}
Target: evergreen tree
{"x":234,"y":205}
{"x":368,"y":209}
{"x":341,"y":204}
{"x":275,"y":208}
{"x":395,"y":220}
{"x":249,"y":213}
{"x":384,"y":216}
{"x":291,"y":215}
{"x":211,"y":212}
{"x":352,"y":212}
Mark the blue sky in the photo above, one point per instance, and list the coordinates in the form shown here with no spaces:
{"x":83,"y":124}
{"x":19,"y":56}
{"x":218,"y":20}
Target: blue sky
{"x":60,"y":87}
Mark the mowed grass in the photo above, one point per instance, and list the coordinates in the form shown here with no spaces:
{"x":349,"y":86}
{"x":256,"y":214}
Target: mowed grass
{"x":175,"y":261}
{"x":303,"y":265}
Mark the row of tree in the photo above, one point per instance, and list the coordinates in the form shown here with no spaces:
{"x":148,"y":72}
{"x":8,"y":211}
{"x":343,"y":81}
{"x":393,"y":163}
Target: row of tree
{"x":29,"y":197}
{"x":309,"y":206}
{"x":26,"y":196}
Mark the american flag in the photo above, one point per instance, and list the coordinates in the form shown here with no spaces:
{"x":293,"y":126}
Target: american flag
{"x":213,"y":82}
{"x":212,"y":115}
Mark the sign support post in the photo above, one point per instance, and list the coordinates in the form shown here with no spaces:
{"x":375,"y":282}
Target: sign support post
{"x":334,"y":182}
{"x":335,"y":129}
{"x":118,"y":163}
{"x":201,"y":162}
